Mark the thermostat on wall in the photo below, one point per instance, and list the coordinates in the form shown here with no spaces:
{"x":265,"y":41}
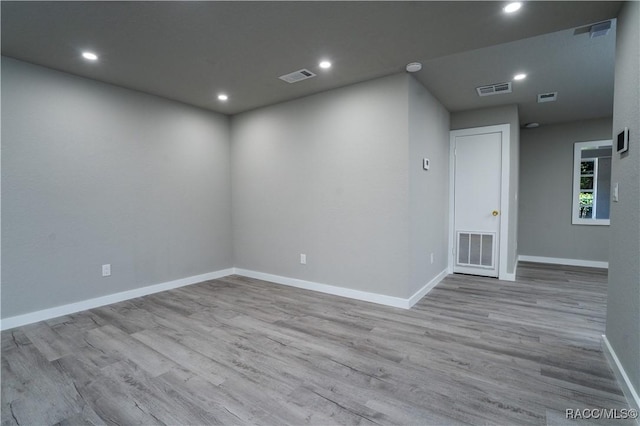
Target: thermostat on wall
{"x":425,"y":163}
{"x":623,"y":141}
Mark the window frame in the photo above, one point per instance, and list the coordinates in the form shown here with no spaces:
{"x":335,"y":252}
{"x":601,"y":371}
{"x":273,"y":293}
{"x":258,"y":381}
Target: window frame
{"x":577,"y":174}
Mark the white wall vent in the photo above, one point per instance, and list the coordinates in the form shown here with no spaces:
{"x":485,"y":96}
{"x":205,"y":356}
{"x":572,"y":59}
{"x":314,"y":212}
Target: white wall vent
{"x":547,"y":97}
{"x":476,"y":249}
{"x":297,"y":76}
{"x":494,"y":89}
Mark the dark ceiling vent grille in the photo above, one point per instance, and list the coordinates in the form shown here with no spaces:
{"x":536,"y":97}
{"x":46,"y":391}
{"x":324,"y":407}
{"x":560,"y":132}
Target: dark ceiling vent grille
{"x":297,"y":76}
{"x":547,"y":97}
{"x":601,"y":29}
{"x":494,"y":89}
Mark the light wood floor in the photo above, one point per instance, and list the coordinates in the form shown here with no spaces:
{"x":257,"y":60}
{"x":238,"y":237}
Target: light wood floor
{"x":243,"y":351}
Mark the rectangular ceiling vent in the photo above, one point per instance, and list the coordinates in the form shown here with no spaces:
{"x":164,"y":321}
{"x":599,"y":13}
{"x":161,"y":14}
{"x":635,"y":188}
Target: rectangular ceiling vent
{"x":547,"y":97}
{"x":494,"y":89}
{"x":601,"y":29}
{"x":297,"y":76}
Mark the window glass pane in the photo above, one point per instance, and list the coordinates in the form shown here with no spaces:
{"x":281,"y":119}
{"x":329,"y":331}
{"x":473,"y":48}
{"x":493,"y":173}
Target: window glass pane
{"x":591,"y":183}
{"x":586,"y":167}
{"x":586,"y":199}
{"x":586,"y":212}
{"x":586,"y":182}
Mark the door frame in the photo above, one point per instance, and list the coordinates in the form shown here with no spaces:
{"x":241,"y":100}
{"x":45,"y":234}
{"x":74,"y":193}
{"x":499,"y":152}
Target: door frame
{"x":504,"y":129}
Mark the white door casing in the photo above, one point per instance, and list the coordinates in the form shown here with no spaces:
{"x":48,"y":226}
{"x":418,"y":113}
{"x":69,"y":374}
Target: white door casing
{"x":479,"y":182}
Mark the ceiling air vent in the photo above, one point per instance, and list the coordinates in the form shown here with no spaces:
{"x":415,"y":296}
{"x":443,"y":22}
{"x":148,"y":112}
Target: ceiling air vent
{"x":601,"y":29}
{"x":297,"y":76}
{"x":494,"y":89}
{"x":547,"y":97}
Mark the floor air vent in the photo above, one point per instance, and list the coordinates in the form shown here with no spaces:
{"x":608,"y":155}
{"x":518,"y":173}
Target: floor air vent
{"x":297,"y":76}
{"x":475,"y":249}
{"x":494,"y":89}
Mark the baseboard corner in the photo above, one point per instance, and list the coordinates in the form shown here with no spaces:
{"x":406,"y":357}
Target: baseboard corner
{"x":418,"y":295}
{"x":623,"y":379}
{"x":508,"y":276}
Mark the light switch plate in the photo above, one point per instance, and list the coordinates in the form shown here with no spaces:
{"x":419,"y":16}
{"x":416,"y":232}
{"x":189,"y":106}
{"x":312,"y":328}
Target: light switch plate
{"x":426,"y":163}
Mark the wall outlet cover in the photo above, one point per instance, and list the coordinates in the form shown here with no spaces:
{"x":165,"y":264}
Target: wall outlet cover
{"x":106,"y":270}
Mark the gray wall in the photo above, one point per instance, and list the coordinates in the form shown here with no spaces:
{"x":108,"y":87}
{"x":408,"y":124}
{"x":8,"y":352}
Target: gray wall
{"x":623,"y":303}
{"x":546,"y":191}
{"x":328,"y":175}
{"x":488,"y":117}
{"x":94,"y":174}
{"x":428,"y":190}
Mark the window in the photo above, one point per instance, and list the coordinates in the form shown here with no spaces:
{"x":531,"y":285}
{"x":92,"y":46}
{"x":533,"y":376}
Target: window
{"x":591,"y":183}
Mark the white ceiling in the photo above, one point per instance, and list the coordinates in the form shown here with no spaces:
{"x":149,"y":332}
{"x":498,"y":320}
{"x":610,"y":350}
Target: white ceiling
{"x":190,"y":51}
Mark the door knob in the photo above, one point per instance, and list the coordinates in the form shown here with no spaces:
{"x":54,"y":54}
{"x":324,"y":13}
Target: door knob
{"x":495,"y":213}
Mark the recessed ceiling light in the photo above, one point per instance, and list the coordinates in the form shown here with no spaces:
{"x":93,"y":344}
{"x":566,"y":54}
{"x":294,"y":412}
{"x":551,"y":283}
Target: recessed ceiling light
{"x":90,"y":56}
{"x":531,"y":125}
{"x":325,"y":64}
{"x":520,"y":76}
{"x":512,"y":7}
{"x":414,"y":67}
{"x":222,"y":97}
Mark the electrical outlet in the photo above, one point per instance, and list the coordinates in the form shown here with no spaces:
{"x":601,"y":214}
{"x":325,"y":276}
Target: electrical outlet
{"x":106,"y":270}
{"x":303,"y":259}
{"x":432,"y":258}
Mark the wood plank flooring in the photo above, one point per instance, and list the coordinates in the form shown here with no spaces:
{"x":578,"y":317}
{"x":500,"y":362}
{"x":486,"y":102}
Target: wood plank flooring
{"x":242,"y":351}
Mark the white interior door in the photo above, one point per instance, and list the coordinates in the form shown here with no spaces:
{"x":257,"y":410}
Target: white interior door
{"x":477,"y":193}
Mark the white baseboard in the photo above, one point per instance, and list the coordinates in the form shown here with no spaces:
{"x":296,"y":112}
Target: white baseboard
{"x":627,"y":387}
{"x":507,"y":276}
{"x":561,"y":261}
{"x":510,"y":276}
{"x":58,"y":311}
{"x":427,"y":288}
{"x":396,"y":302}
{"x":71,"y":308}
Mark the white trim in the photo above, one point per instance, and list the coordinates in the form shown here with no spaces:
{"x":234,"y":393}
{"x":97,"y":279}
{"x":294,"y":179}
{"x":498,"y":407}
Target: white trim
{"x":508,"y":276}
{"x":561,"y":261}
{"x":504,"y":129}
{"x":427,"y":288}
{"x":504,"y":201}
{"x":577,"y":160}
{"x":452,"y":203}
{"x":71,"y":308}
{"x":511,"y":276}
{"x":396,"y":302}
{"x":625,"y":383}
{"x":382,"y":299}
